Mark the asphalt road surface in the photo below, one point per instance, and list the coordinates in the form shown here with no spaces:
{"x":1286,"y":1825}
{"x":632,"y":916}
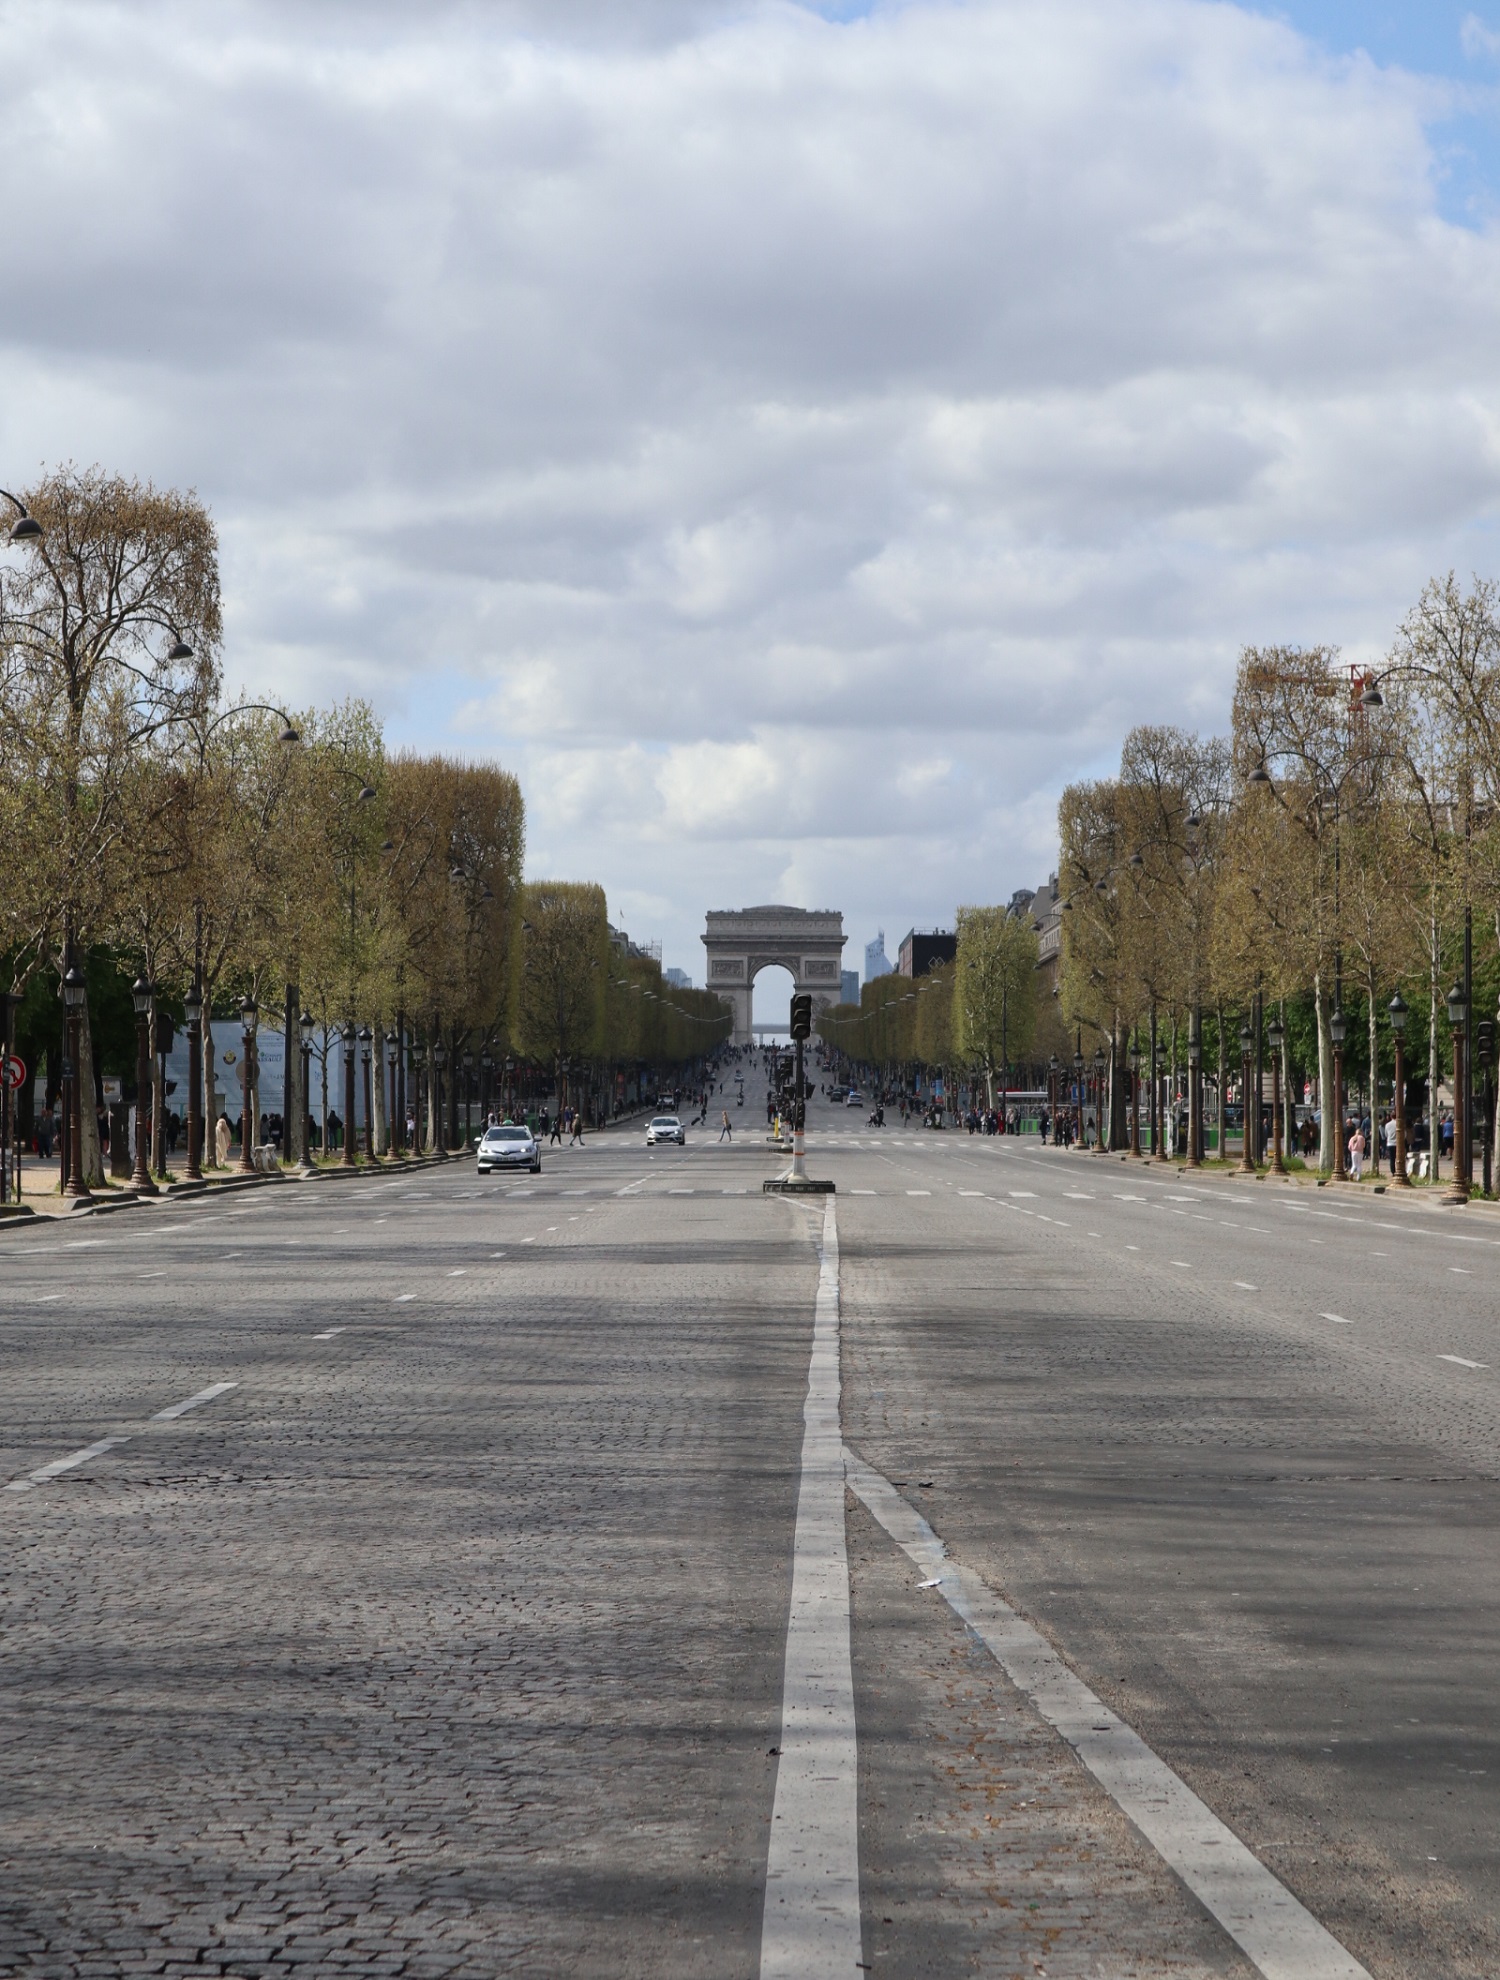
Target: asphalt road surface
{"x":415,"y":1599}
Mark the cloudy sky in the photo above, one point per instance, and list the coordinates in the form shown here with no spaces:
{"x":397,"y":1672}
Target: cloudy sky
{"x":796,"y":439}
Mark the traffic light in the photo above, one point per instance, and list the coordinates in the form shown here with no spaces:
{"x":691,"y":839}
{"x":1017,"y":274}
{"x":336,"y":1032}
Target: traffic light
{"x":802,"y":1015}
{"x":1484,"y":1042}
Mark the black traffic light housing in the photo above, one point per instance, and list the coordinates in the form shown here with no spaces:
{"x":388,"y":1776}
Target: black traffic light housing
{"x":802,"y":1015}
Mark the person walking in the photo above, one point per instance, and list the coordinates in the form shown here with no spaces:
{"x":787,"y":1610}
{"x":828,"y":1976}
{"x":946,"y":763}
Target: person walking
{"x":726,"y":1132}
{"x":1388,"y":1136}
{"x":577,"y":1128}
{"x":1357,"y":1152}
{"x":223,"y":1138}
{"x":557,"y":1126}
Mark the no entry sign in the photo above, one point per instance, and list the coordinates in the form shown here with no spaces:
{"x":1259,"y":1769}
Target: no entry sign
{"x":12,"y":1071}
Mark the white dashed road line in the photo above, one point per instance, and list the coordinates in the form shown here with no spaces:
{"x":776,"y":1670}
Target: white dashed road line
{"x":62,"y":1464}
{"x":1461,"y":1362}
{"x":1338,"y":1319}
{"x":193,"y":1402}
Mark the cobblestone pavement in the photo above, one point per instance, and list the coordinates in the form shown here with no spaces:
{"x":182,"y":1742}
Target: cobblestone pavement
{"x":448,"y":1639}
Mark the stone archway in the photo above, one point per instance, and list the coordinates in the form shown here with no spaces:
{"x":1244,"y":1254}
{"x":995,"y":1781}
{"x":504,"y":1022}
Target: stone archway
{"x":741,"y":942}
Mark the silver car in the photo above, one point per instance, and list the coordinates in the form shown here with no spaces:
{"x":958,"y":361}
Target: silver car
{"x":509,"y":1148}
{"x":666,"y":1127}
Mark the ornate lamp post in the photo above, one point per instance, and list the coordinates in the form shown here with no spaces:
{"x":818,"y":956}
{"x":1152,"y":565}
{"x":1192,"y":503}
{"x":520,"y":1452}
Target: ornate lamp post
{"x":142,"y":995}
{"x":1336,"y":1033}
{"x":486,"y":1082}
{"x":510,"y":1086}
{"x":351,"y":1039}
{"x":1135,"y":1099}
{"x":1276,"y":1038}
{"x":1159,"y":1103}
{"x":1397,"y":1011}
{"x":366,"y":1039}
{"x":1195,"y":1096}
{"x":305,"y":1137}
{"x":1458,"y":1017}
{"x":192,"y":1010}
{"x":439,"y":1060}
{"x":74,"y":990}
{"x":1052,"y":1071}
{"x":468,"y":1097}
{"x":1078,"y":1093}
{"x":248,"y":1017}
{"x":1099,"y":1099}
{"x":1247,"y":1150}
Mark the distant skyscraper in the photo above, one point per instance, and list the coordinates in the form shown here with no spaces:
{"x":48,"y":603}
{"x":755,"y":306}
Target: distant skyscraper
{"x":849,"y":986}
{"x":877,"y":962}
{"x":678,"y":978}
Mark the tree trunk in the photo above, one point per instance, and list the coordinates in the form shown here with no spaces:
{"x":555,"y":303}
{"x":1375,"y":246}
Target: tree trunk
{"x":1221,"y":1071}
{"x":91,"y":1161}
{"x":206,"y":1108}
{"x":1327,"y":1126}
{"x":1434,"y":985}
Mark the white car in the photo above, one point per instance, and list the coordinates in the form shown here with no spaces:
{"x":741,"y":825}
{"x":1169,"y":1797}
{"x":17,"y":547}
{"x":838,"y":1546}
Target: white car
{"x":855,"y":1099}
{"x":666,"y":1127}
{"x":509,"y":1148}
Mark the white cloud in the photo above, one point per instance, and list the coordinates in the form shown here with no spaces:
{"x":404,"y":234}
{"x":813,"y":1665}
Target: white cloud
{"x":796,"y":446}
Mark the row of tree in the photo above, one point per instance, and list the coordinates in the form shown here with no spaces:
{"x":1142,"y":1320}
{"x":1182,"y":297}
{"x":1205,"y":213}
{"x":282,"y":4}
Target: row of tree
{"x":254,"y":851}
{"x":1341,"y":844}
{"x":977,"y":1016}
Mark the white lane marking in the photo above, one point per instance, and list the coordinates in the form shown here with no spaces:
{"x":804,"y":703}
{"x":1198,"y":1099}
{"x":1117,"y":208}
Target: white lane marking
{"x":59,"y":1465}
{"x":1077,"y":1196}
{"x":497,"y":1254}
{"x":162,"y":1275}
{"x":811,"y":1927}
{"x":193,"y":1402}
{"x":529,"y":1240}
{"x":1338,"y":1319}
{"x":330,"y":1334}
{"x":460,"y":1272}
{"x":962,"y":1192}
{"x":46,"y":1298}
{"x":861,"y":1192}
{"x":1182,"y":1262}
{"x":1245,"y":1286}
{"x":1132,"y":1247}
{"x":1461,"y":1362}
{"x":1282,"y":1939}
{"x":1462,"y":1269}
{"x":919,"y":1192}
{"x":402,"y":1298}
{"x":1020,"y":1192}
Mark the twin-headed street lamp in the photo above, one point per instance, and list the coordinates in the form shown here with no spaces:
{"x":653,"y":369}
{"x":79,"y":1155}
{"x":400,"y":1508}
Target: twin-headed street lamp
{"x":1397,"y":1010}
{"x":73,"y":990}
{"x":1336,"y":1033}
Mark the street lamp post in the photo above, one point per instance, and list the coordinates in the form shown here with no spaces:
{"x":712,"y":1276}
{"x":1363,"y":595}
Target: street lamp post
{"x":248,"y":1017}
{"x":1276,"y":1039}
{"x":1195,"y":1095}
{"x":1078,"y":1093}
{"x":141,"y":1179}
{"x":1159,"y":1106}
{"x":468,"y":1097}
{"x":1099,"y":1099}
{"x":1052,"y":1096}
{"x":351,"y":1039}
{"x":1135,"y":1100}
{"x":1336,"y":1033}
{"x":74,"y":990}
{"x":305,"y":1137}
{"x":418,"y":1083}
{"x":1247,"y":1146}
{"x":366,"y":1040}
{"x":1458,"y":1016}
{"x":510,"y":1086}
{"x":192,"y":1010}
{"x":486,"y":1085}
{"x":1397,"y":1011}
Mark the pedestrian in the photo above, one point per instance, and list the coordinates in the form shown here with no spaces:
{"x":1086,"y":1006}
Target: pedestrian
{"x":1388,"y":1135}
{"x":557,"y":1127}
{"x":726,"y":1132}
{"x":46,"y":1128}
{"x":577,"y":1127}
{"x":1357,"y":1152}
{"x":223,"y":1137}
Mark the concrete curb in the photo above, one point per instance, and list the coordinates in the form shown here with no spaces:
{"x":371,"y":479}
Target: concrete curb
{"x":101,"y":1206}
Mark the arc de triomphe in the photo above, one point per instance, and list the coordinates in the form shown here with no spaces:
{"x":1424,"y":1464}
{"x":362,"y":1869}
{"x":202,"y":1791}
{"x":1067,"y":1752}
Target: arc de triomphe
{"x":743,"y":941}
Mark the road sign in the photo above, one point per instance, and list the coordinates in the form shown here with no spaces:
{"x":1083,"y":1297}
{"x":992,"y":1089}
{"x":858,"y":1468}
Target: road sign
{"x":13,"y":1071}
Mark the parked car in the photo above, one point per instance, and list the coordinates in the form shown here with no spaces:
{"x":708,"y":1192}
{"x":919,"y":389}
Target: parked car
{"x":666,"y":1127}
{"x":508,"y":1148}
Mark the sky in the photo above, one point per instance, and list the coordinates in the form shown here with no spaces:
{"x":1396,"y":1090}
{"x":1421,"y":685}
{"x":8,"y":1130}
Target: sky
{"x":797,"y":440}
